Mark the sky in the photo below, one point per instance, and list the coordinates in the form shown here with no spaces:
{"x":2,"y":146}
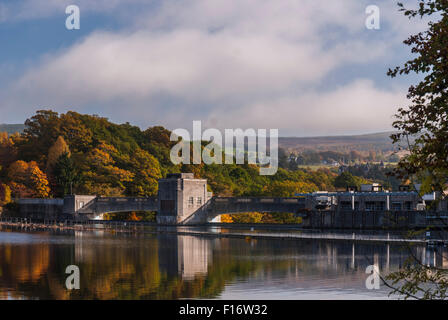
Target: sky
{"x":305,"y":67}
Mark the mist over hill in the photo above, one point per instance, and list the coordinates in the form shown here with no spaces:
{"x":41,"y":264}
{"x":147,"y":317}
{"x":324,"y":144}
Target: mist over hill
{"x":365,"y":142}
{"x":12,"y":128}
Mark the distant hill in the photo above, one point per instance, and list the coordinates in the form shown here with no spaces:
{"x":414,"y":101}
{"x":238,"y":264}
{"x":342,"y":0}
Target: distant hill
{"x":12,"y":128}
{"x":365,"y":142}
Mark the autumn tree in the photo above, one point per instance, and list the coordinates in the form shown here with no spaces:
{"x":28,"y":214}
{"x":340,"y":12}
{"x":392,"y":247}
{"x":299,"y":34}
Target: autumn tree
{"x":66,"y":174}
{"x":27,"y":180}
{"x":101,"y":174}
{"x":39,"y":182}
{"x":18,"y":171}
{"x":289,"y":188}
{"x":40,"y":132}
{"x":226,"y":218}
{"x":281,"y":218}
{"x":72,"y":128}
{"x":426,"y":120}
{"x":5,"y":194}
{"x":58,"y":149}
{"x":247,"y":217}
{"x":8,"y":150}
{"x":146,"y":170}
{"x":346,"y":179}
{"x":426,"y":117}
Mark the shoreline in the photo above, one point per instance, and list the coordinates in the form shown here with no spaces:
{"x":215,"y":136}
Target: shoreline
{"x":134,"y":228}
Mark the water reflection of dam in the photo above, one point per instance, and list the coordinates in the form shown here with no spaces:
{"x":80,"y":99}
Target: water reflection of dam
{"x":189,"y":257}
{"x":156,"y":266}
{"x":314,"y":267}
{"x":328,"y":256}
{"x":184,"y":256}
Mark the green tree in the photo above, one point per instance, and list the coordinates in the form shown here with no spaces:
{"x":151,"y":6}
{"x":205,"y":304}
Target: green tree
{"x":346,"y":179}
{"x":426,"y":120}
{"x":66,"y":174}
{"x":41,"y":131}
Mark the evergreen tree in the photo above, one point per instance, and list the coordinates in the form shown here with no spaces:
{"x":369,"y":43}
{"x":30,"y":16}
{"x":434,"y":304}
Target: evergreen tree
{"x":66,"y":175}
{"x":344,"y":180}
{"x":59,"y":148}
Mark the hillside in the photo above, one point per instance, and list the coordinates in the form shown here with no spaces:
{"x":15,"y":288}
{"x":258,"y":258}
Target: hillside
{"x":11,"y":128}
{"x":375,"y":141}
{"x":365,"y":142}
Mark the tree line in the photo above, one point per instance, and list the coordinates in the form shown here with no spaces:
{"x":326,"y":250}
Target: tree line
{"x":72,"y":153}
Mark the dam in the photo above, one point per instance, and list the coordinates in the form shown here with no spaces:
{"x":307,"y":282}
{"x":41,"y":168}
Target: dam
{"x":185,"y":200}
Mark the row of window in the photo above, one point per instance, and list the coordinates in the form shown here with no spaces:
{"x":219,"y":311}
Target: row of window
{"x":191,"y":202}
{"x":377,"y":205}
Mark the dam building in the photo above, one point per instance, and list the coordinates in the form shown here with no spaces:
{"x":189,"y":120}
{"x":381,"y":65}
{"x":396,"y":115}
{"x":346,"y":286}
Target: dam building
{"x":185,"y":200}
{"x":372,"y":197}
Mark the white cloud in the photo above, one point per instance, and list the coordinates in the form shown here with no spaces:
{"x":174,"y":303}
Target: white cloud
{"x":248,"y":63}
{"x":354,"y":108}
{"x":185,"y":63}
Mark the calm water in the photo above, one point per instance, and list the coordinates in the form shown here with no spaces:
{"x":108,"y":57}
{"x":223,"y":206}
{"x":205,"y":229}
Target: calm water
{"x":118,"y":266}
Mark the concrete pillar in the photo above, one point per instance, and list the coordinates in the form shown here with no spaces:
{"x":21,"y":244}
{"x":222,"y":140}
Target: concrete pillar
{"x":181,"y":199}
{"x":353,"y":256}
{"x":388,"y":256}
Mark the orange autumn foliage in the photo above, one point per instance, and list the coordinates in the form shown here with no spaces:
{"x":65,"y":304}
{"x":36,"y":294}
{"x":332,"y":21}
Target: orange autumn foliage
{"x":27,"y":180}
{"x":59,"y":148}
{"x":5,"y":194}
{"x":226,"y":218}
{"x":8,"y":151}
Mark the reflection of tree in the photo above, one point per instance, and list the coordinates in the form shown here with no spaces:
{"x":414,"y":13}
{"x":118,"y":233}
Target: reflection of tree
{"x":112,"y":269}
{"x":24,"y":263}
{"x":119,"y":271}
{"x":143,"y":267}
{"x":23,"y":266}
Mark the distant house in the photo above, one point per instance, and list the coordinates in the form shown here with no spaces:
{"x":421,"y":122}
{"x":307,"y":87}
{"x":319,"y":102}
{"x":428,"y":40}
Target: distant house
{"x":342,"y":168}
{"x":372,"y":187}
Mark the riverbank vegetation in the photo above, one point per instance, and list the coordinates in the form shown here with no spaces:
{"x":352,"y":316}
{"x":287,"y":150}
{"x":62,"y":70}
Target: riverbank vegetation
{"x":424,"y":119}
{"x":60,"y":154}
